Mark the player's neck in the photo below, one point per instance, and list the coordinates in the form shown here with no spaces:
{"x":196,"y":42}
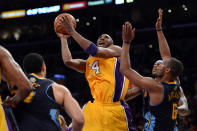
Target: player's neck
{"x":158,"y":79}
{"x":167,"y":78}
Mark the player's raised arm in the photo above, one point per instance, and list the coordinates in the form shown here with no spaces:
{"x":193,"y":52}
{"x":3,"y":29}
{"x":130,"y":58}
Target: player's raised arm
{"x":163,"y":44}
{"x":88,"y":46}
{"x":76,"y":64}
{"x":125,"y":68}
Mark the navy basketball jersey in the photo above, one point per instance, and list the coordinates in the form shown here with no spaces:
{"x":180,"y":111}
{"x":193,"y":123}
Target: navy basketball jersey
{"x":162,"y":117}
{"x":39,"y":111}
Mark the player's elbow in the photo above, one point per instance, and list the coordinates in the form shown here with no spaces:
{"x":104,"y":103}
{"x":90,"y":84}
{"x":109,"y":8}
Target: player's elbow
{"x":24,"y":90}
{"x":68,"y":63}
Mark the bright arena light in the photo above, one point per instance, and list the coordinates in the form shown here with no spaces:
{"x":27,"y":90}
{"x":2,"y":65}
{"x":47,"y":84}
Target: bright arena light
{"x":87,"y":23}
{"x":117,"y":2}
{"x":43,"y":10}
{"x":94,"y":18}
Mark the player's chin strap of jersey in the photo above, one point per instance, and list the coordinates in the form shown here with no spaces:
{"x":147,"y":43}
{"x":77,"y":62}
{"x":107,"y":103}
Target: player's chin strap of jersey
{"x":92,"y":49}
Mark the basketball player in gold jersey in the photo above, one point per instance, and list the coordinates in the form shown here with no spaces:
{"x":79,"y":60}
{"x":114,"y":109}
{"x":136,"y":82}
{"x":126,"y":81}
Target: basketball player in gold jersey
{"x":11,"y":71}
{"x":108,"y":86}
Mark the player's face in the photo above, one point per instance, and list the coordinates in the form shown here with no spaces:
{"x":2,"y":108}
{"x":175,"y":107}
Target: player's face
{"x":155,"y":68}
{"x":104,"y":41}
{"x":162,"y":68}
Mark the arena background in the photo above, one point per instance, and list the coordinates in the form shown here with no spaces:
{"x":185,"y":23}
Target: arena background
{"x":26,"y":26}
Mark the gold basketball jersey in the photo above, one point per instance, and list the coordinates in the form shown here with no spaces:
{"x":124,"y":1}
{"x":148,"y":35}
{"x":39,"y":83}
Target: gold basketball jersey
{"x":106,"y":82}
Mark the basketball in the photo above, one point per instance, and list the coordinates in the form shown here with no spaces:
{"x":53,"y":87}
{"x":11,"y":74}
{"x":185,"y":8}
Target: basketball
{"x":57,"y":23}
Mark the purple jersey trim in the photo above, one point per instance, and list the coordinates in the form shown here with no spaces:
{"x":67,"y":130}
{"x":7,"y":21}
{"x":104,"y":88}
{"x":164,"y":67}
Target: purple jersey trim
{"x":128,"y":115}
{"x":119,"y":80}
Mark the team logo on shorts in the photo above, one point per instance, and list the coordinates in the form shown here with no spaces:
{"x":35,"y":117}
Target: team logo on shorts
{"x":32,"y":79}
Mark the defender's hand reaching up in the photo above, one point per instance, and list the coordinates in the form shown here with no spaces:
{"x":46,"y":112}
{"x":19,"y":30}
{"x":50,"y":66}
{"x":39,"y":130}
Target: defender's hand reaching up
{"x":128,"y":33}
{"x":158,"y":24}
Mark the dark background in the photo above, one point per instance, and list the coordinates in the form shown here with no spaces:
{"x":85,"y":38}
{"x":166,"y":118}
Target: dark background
{"x":37,"y":35}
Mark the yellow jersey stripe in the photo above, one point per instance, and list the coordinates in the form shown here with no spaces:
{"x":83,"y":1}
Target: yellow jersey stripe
{"x":39,"y":77}
{"x":174,"y":82}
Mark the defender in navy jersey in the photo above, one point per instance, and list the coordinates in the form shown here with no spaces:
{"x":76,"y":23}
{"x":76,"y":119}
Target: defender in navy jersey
{"x":163,"y":116}
{"x":40,"y":110}
{"x":163,"y":96}
{"x":165,"y":53}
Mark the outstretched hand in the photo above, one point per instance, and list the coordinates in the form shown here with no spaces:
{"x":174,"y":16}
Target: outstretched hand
{"x":128,"y":33}
{"x":158,"y":24}
{"x":67,"y":25}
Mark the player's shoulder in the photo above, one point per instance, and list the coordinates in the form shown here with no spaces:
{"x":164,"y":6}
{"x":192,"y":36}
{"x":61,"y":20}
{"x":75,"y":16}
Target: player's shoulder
{"x":60,"y":87}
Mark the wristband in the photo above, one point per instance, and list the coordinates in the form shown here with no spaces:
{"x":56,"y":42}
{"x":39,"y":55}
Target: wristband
{"x":92,"y":49}
{"x":126,"y":42}
{"x":158,"y":29}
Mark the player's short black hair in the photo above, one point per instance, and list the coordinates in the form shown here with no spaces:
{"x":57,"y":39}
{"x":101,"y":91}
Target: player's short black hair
{"x":176,"y":67}
{"x":32,"y":63}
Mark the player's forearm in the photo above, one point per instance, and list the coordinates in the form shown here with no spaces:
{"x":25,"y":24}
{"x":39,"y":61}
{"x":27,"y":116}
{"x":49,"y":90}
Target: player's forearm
{"x":16,"y":75}
{"x":76,"y":126}
{"x":183,"y":106}
{"x":163,"y":45}
{"x":83,"y":42}
{"x":77,"y":117}
{"x":66,"y":55}
{"x":132,"y":93}
{"x":125,"y":59}
{"x":22,"y":93}
{"x":24,"y":88}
